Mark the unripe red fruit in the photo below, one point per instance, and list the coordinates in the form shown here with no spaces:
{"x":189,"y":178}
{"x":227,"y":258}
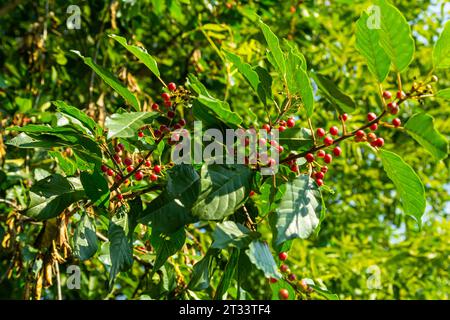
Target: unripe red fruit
{"x":328,"y":141}
{"x":344,"y":117}
{"x":400,"y":95}
{"x":148,"y":163}
{"x":171,"y":114}
{"x":292,"y":277}
{"x":128,"y":162}
{"x":165,"y":96}
{"x":104,"y":168}
{"x":284,"y":268}
{"x":157,"y":133}
{"x":394,"y":111}
{"x":290,"y":122}
{"x":328,"y":158}
{"x":157,"y":169}
{"x":387,"y":95}
{"x":117,"y":149}
{"x":251,"y":194}
{"x":120,"y":197}
{"x":371,"y":116}
{"x":309,"y":157}
{"x":294,"y":168}
{"x":153,"y":177}
{"x":266,"y":127}
{"x":140,"y":134}
{"x":273,"y":280}
{"x":283,"y":123}
{"x":172,"y":86}
{"x":262,"y":142}
{"x":117,"y":158}
{"x":321,"y":153}
{"x":283,"y":256}
{"x":155,"y":107}
{"x":379,"y":142}
{"x":273,"y":143}
{"x":164,"y":128}
{"x":118,"y":177}
{"x":281,"y":128}
{"x":177,"y":126}
{"x":182,"y":122}
{"x":320,"y":132}
{"x":130,"y":168}
{"x":373,"y":143}
{"x":360,"y":134}
{"x":280,"y":149}
{"x":283,"y":294}
{"x":396,"y":122}
{"x":121,"y":146}
{"x":334,"y":131}
{"x":337,"y":151}
{"x":110,"y":172}
{"x":324,"y":169}
{"x":319,"y":175}
{"x":138,"y":175}
{"x":371,"y":136}
{"x":271,"y":162}
{"x":374,"y":127}
{"x":168,"y":103}
{"x":319,"y":182}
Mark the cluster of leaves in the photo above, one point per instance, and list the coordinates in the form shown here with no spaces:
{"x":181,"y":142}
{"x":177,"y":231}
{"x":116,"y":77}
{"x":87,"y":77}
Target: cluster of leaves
{"x":160,"y":226}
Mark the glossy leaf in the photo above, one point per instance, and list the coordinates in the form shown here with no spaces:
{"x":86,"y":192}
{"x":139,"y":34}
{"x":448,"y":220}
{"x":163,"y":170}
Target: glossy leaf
{"x":336,"y":97}
{"x":96,"y":187}
{"x":273,"y":43}
{"x":230,"y":233}
{"x":441,"y":50}
{"x":166,"y":246}
{"x":127,"y":125}
{"x":260,"y":255}
{"x":85,"y":240}
{"x":77,"y":114}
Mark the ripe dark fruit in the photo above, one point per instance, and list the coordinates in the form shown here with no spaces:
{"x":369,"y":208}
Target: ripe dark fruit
{"x":148,"y":163}
{"x":121,"y":146}
{"x":284,"y":268}
{"x":128,"y":161}
{"x":157,"y":169}
{"x":266,"y":127}
{"x":138,"y":175}
{"x":182,"y":122}
{"x":309,"y":157}
{"x":328,"y":141}
{"x":292,"y":277}
{"x":337,"y":151}
{"x":283,"y":294}
{"x":130,"y":168}
{"x":319,"y":175}
{"x":371,"y":116}
{"x":117,"y":149}
{"x":400,"y":95}
{"x":153,"y":177}
{"x":118,"y":177}
{"x":319,"y":182}
{"x":117,"y":158}
{"x":104,"y":168}
{"x":140,"y":134}
{"x":387,"y":95}
{"x":120,"y":197}
{"x":334,"y":131}
{"x":396,"y":122}
{"x":283,"y":256}
{"x":290,"y":122}
{"x":172,"y":86}
{"x":320,"y":132}
{"x":110,"y":172}
{"x":321,"y":153}
{"x":328,"y":158}
{"x":165,"y":96}
{"x":157,"y":133}
{"x":374,"y":127}
{"x":171,"y":114}
{"x":155,"y":107}
{"x":294,"y":168}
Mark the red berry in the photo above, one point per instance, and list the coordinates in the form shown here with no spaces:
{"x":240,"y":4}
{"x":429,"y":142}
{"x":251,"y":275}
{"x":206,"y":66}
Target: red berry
{"x":337,"y":151}
{"x":320,"y":132}
{"x":309,"y":157}
{"x":290,"y":122}
{"x":130,"y":168}
{"x":171,"y":114}
{"x":168,"y":103}
{"x":157,"y":169}
{"x":119,"y":197}
{"x":140,"y":134}
{"x":319,"y":182}
{"x":294,"y":168}
{"x":128,"y":162}
{"x":280,"y":149}
{"x":371,"y":116}
{"x":281,"y":128}
{"x":344,"y":117}
{"x":176,"y":127}
{"x":121,"y":146}
{"x":374,"y":127}
{"x":138,"y":175}
{"x":182,"y":122}
{"x":273,"y":143}
{"x":117,"y":149}
{"x":271,"y":162}
{"x":157,"y":133}
{"x":165,"y":96}
{"x":328,"y":158}
{"x":360,"y":134}
{"x":273,"y":280}
{"x":400,"y":95}
{"x":148,"y":163}
{"x":104,"y":168}
{"x":283,"y":294}
{"x":379,"y":142}
{"x":118,"y":177}
{"x":324,"y":169}
{"x":153,"y":177}
{"x":319,"y":175}
{"x":371,"y":136}
{"x":262,"y":142}
{"x":155,"y":107}
{"x":396,"y":122}
{"x":321,"y":153}
{"x":334,"y":131}
{"x":110,"y":172}
{"x":266,"y":127}
{"x":394,"y":111}
{"x":283,"y":123}
{"x":283,"y":256}
{"x":387,"y":95}
{"x":172,"y":86}
{"x":328,"y":141}
{"x":251,"y":194}
{"x":117,"y":158}
{"x":292,"y":277}
{"x":284,"y":268}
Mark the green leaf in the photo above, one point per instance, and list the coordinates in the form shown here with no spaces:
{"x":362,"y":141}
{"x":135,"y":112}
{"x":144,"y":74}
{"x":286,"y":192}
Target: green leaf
{"x":139,"y":53}
{"x":441,"y":50}
{"x":260,"y":255}
{"x":395,"y":36}
{"x":367,"y":43}
{"x":120,"y":248}
{"x":230,"y":233}
{"x":112,"y":81}
{"x":50,"y":196}
{"x":444,"y":93}
{"x":324,"y":293}
{"x":166,"y":246}
{"x":84,"y":119}
{"x":228,"y":274}
{"x":44,"y":141}
{"x":126,"y":125}
{"x":65,"y":163}
{"x":298,"y":213}
{"x":278,"y":59}
{"x":408,"y":185}
{"x":202,"y":271}
{"x":336,"y":97}
{"x":85,"y":239}
{"x":298,"y":139}
{"x":421,"y":127}
{"x":172,"y":208}
{"x":223,"y":190}
{"x":96,"y":187}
